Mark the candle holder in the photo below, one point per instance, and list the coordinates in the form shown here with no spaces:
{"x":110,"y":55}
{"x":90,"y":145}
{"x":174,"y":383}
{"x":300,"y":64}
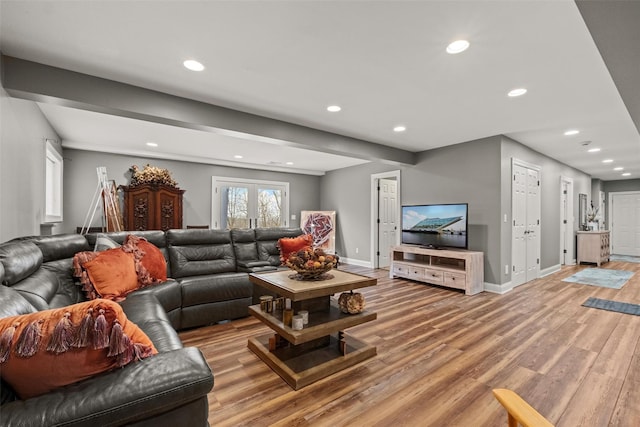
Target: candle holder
{"x":297,"y":323}
{"x":266,"y":303}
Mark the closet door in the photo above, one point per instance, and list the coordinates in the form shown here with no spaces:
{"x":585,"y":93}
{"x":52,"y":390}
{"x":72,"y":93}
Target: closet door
{"x":533,"y":225}
{"x":525,"y":212}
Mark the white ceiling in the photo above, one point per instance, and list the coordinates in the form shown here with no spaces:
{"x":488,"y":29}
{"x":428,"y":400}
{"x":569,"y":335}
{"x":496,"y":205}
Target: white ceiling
{"x":384,"y":62}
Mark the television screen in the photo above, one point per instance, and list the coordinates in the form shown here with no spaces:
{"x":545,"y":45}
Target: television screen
{"x":435,"y":226}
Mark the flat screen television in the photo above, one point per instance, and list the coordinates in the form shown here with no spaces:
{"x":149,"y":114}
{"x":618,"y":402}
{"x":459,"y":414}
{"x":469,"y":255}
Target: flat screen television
{"x":435,"y":226}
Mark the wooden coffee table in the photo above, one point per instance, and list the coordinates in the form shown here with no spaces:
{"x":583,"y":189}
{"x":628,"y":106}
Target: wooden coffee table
{"x":321,"y":348}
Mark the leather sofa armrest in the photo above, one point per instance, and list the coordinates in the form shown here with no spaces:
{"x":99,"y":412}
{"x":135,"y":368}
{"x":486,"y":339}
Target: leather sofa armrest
{"x":169,"y":294}
{"x":255,"y":266}
{"x":252,"y":263}
{"x":138,"y":391}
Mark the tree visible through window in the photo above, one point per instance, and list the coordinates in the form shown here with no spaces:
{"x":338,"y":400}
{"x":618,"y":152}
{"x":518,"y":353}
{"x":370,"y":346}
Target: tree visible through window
{"x":237,"y":200}
{"x":269,"y":208}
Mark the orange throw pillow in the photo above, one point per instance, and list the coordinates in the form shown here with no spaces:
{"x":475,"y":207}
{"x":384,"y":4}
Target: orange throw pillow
{"x":113,"y":274}
{"x":78,"y":271}
{"x":288,"y":245}
{"x":42,"y":351}
{"x":154,"y":267}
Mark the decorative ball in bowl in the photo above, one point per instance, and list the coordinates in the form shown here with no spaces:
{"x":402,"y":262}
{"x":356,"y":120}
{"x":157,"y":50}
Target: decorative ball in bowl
{"x":311,"y":264}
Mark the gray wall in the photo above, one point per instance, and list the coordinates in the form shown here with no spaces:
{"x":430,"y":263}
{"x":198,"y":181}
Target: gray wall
{"x":22,"y":160}
{"x":622,"y":185}
{"x":348,"y":192}
{"x":80,"y":181}
{"x":463,"y":173}
{"x":551,"y":172}
{"x":616,"y":187}
{"x":596,"y":187}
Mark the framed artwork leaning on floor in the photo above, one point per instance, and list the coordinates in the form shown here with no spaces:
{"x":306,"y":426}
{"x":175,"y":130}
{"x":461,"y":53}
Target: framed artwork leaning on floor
{"x":322,"y":226}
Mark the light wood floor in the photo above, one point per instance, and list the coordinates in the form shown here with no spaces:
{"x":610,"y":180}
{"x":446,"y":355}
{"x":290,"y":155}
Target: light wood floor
{"x":440,"y":353}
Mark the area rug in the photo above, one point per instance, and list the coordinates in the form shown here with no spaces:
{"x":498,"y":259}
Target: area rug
{"x":617,"y":306}
{"x":625,"y":258}
{"x":603,"y":277}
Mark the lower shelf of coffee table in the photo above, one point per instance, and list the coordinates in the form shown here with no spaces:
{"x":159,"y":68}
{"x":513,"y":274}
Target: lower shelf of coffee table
{"x":320,"y":323}
{"x":301,"y":369}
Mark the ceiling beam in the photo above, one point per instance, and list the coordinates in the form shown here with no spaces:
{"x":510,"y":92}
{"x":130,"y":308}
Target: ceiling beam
{"x":43,"y":83}
{"x":615,"y":29}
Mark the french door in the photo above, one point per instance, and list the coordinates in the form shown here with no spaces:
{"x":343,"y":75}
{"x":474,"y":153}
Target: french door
{"x":244,"y":203}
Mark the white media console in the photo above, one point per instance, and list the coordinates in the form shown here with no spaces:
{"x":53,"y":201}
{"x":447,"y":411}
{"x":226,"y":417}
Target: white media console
{"x":453,"y":268}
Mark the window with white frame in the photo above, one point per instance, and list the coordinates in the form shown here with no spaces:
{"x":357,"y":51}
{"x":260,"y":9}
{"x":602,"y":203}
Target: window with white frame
{"x":246,"y":203}
{"x":53,"y":183}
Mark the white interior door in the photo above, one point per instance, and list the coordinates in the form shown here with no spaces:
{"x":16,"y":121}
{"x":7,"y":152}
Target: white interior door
{"x":533,"y":224}
{"x":566,"y":221}
{"x":525,"y":212}
{"x":624,"y":212}
{"x":519,"y":215}
{"x":385,"y":213}
{"x":387,"y":219}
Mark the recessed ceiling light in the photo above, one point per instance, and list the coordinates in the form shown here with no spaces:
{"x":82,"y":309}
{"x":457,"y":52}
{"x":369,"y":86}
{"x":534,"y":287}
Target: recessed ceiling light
{"x":399,"y":128}
{"x":572,"y":132}
{"x":152,"y":144}
{"x":457,"y":46}
{"x":334,"y":108}
{"x":626,"y":174}
{"x":193,"y":65}
{"x":607,"y":161}
{"x":593,"y":150}
{"x":517,"y":92}
{"x":619,"y":168}
{"x":237,"y":156}
{"x":289,"y":163}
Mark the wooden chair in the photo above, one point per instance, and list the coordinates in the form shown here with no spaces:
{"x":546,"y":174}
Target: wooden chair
{"x":519,"y":411}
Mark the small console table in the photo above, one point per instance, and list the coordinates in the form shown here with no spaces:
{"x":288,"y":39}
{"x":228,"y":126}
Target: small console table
{"x":593,"y":246}
{"x":453,"y":268}
{"x":321,"y":348}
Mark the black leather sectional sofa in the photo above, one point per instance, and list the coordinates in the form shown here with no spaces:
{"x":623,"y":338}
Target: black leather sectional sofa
{"x":208,"y":271}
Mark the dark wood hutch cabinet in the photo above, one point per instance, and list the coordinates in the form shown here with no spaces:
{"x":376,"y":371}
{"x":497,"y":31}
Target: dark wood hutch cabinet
{"x":152,"y":207}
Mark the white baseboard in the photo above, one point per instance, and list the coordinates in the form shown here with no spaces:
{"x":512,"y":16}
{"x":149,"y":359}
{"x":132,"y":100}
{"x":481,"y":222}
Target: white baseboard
{"x":550,"y":270}
{"x":497,"y":289}
{"x":506,"y":287}
{"x":358,"y":262}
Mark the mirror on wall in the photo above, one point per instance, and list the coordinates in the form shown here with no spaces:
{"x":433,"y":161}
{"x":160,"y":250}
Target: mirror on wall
{"x":582,"y":211}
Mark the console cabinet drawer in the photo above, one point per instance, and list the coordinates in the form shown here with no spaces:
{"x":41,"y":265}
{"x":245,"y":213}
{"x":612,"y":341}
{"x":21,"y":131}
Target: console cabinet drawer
{"x":416,"y":273}
{"x":434,"y":276}
{"x":400,"y":270}
{"x":455,"y":280}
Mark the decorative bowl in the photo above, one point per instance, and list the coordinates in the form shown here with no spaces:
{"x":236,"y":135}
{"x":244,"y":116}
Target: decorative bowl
{"x":311,"y":274}
{"x":311,"y":264}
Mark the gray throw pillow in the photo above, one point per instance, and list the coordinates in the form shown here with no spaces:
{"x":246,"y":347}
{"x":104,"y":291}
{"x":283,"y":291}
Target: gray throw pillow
{"x":104,"y":242}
